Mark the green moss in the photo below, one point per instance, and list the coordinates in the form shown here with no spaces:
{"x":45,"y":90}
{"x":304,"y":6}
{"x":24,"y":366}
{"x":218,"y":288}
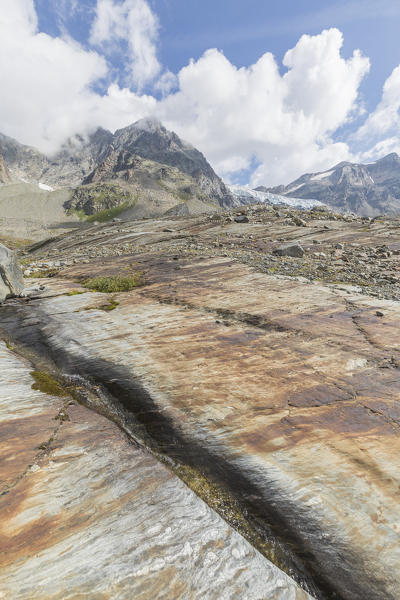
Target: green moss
{"x":111,"y":305}
{"x":113,"y":284}
{"x":9,"y":346}
{"x":15,"y":243}
{"x":78,"y":213}
{"x":106,"y":215}
{"x":75,"y":293}
{"x":43,"y":273}
{"x":48,"y":385}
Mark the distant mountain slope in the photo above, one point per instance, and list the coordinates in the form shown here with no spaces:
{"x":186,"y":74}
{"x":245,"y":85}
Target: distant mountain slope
{"x":104,"y":156}
{"x":5,"y":176}
{"x":368,"y":189}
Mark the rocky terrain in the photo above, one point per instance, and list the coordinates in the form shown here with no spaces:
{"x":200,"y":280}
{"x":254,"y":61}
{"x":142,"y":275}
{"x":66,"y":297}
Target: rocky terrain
{"x":257,"y":357}
{"x":369,"y":189}
{"x":5,"y":176}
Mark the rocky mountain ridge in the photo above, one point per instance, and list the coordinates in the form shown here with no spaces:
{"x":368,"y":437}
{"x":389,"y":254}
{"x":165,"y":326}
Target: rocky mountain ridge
{"x":365,"y":189}
{"x":104,"y":156}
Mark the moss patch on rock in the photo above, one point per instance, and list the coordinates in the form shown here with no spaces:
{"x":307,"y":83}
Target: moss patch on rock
{"x":48,"y":385}
{"x":106,"y":215}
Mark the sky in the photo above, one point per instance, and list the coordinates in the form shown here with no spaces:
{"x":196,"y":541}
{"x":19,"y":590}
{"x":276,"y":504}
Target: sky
{"x":266,"y":89}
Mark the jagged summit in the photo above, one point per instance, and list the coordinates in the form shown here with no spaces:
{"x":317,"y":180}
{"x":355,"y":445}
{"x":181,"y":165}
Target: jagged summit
{"x":151,"y":124}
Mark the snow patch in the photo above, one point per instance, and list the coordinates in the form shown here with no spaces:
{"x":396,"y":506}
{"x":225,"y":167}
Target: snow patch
{"x":45,"y":187}
{"x":319,"y":176}
{"x":296,"y":187}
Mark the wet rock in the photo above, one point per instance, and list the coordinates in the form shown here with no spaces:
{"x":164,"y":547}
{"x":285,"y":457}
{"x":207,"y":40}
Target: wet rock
{"x":11,"y":280}
{"x":77,"y":498}
{"x":295,"y":250}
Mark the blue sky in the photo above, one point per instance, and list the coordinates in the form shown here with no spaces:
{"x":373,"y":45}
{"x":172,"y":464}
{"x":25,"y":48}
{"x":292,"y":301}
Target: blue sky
{"x":245,"y":29}
{"x":130,"y":58}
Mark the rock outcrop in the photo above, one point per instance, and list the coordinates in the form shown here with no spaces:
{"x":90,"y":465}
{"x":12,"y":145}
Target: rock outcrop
{"x":91,"y":199}
{"x":5,"y":176}
{"x":369,"y":189}
{"x":11,"y":281}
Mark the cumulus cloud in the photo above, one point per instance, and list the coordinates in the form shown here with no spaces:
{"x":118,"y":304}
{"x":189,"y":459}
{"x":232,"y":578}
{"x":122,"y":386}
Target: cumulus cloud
{"x":284,"y":122}
{"x":43,"y":78}
{"x":134,"y":22}
{"x":238,"y":117}
{"x":381,"y":131}
{"x":47,"y":84}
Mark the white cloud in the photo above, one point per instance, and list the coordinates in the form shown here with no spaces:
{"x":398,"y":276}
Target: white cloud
{"x":380,"y":132}
{"x":134,"y":22}
{"x":237,"y":116}
{"x":283,"y":121}
{"x":46,"y":91}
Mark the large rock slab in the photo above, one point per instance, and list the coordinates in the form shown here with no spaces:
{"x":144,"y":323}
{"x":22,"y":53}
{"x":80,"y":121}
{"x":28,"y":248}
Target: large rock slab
{"x":287,"y":390}
{"x":86,"y":513}
{"x":283,"y":388}
{"x":11,"y":280}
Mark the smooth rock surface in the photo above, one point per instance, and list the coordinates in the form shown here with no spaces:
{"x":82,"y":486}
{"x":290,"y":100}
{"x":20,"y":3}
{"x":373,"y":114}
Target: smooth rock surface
{"x":237,"y":361}
{"x":87,"y":514}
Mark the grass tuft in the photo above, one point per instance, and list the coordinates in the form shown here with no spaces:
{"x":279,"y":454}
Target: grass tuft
{"x":113,"y":284}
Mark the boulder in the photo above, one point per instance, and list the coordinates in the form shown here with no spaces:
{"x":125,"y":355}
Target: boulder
{"x":241,"y":219}
{"x":11,"y":280}
{"x":292,"y":249}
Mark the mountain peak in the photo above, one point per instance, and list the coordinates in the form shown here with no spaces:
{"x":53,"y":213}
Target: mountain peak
{"x":149,"y":124}
{"x":393,"y":157}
